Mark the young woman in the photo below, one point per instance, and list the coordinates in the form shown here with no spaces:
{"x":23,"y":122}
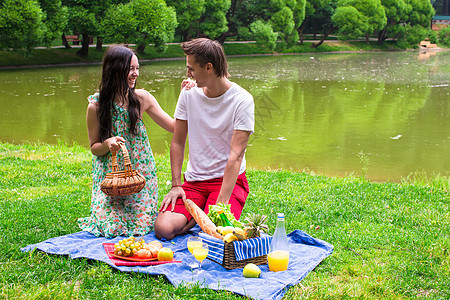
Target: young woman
{"x":114,"y":115}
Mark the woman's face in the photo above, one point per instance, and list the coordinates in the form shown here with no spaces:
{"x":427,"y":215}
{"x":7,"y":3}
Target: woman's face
{"x":134,"y":71}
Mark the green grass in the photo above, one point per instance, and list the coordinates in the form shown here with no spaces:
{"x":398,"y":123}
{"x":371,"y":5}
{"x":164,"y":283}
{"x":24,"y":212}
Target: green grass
{"x":55,"y":56}
{"x":391,"y":239}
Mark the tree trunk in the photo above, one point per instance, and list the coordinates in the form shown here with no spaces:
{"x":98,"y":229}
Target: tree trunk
{"x":99,"y":44}
{"x":367,"y":38}
{"x":84,"y":50}
{"x":301,"y":29}
{"x":65,"y":42}
{"x":315,"y":45}
{"x":381,"y":37}
{"x":140,"y":48}
{"x":224,"y":35}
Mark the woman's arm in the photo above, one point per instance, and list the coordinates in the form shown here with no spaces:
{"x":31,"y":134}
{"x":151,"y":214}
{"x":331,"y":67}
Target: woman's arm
{"x":154,"y":110}
{"x":98,"y":148}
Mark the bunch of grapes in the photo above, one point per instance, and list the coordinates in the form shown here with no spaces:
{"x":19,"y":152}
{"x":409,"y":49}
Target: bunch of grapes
{"x":128,"y":246}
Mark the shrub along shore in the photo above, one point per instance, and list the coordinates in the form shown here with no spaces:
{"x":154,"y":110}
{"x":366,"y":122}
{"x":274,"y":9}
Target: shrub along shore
{"x":61,"y":56}
{"x":391,"y":240}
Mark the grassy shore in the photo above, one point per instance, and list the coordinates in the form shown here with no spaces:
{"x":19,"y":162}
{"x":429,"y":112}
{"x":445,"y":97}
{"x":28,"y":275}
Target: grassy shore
{"x":55,"y":56}
{"x":391,"y":239}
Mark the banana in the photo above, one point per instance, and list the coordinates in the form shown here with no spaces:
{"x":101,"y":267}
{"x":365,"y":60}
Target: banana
{"x":229,"y":237}
{"x":226,"y":230}
{"x":239,"y":233}
{"x":219,"y":229}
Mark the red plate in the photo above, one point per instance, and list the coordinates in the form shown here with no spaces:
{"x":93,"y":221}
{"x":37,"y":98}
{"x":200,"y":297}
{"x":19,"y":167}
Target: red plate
{"x":132,"y":258}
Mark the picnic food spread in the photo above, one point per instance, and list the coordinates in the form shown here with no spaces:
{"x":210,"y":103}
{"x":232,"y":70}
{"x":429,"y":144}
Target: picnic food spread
{"x":129,"y":247}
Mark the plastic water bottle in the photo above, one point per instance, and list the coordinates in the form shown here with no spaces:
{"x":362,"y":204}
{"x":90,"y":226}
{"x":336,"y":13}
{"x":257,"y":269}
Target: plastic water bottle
{"x":278,"y":257}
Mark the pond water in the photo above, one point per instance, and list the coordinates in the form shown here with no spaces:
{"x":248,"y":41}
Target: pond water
{"x":333,"y":114}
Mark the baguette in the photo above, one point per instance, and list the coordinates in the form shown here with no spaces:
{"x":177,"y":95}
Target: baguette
{"x":202,"y":219}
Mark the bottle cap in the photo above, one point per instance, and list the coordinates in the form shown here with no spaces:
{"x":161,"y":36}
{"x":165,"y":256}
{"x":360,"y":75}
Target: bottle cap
{"x":280,"y":215}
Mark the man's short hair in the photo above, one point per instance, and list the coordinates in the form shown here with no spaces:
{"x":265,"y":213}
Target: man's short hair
{"x":207,"y":51}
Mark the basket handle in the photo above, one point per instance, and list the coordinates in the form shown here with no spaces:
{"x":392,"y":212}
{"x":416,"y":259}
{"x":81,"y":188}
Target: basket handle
{"x":126,"y":160}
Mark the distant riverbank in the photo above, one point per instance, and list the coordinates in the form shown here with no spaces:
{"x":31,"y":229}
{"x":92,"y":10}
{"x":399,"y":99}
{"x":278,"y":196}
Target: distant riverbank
{"x":44,"y":57}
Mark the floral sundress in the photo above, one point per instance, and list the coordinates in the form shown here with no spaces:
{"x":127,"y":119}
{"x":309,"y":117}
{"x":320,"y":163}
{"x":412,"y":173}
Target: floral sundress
{"x":125,"y":215}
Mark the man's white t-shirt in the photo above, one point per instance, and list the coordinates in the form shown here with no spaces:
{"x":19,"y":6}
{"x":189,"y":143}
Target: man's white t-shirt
{"x":211,"y":122}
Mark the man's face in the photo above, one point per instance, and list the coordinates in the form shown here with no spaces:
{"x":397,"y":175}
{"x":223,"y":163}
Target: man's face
{"x":196,"y":72}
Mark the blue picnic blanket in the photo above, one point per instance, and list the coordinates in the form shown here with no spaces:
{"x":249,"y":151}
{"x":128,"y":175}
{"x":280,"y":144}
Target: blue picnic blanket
{"x":306,"y":253}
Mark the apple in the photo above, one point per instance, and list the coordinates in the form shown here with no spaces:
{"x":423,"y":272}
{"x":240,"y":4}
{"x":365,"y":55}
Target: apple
{"x":251,"y":271}
{"x":165,"y":254}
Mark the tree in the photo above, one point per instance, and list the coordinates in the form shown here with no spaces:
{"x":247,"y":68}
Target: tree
{"x":403,"y":15}
{"x":350,"y":22}
{"x":141,"y":22}
{"x":396,"y":13}
{"x":213,"y":22}
{"x":21,"y":25}
{"x":282,"y":16}
{"x":264,"y":34}
{"x":321,"y":19}
{"x":82,"y":20}
{"x":188,"y":12}
{"x":55,"y":19}
{"x":369,"y":17}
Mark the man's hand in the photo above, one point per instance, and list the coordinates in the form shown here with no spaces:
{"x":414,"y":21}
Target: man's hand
{"x":171,"y":198}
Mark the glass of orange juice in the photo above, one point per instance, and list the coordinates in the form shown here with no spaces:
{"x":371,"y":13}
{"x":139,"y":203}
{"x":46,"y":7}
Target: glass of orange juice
{"x":200,"y":253}
{"x":192,"y":243}
{"x":278,"y":260}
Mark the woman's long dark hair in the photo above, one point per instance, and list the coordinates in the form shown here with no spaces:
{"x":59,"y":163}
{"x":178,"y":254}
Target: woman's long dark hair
{"x":114,"y":83}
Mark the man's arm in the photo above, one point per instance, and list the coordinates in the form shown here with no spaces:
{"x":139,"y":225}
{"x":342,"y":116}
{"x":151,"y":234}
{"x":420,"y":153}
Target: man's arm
{"x":176,"y":163}
{"x":239,"y":142}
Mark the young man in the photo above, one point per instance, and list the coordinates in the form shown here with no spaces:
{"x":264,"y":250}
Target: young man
{"x":219,"y":117}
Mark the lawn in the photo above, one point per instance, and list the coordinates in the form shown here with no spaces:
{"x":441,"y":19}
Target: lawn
{"x":391,"y":240}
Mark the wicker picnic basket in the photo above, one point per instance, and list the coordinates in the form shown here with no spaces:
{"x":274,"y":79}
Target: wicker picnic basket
{"x":229,"y":258}
{"x":124,"y":182}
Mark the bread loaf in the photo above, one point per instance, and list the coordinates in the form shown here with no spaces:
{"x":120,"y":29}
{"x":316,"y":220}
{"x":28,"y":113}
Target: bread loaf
{"x":202,"y":219}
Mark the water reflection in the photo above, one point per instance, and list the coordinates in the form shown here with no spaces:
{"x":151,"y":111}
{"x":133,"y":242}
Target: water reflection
{"x":317,"y":112}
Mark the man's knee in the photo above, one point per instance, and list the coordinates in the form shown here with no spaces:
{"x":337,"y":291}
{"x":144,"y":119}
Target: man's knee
{"x":168,"y":225}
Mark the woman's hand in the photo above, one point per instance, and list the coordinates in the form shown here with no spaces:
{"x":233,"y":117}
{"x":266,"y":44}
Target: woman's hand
{"x":113,"y":143}
{"x":188,"y":84}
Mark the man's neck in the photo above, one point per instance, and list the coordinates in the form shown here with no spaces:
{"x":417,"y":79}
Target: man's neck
{"x":217,"y":87}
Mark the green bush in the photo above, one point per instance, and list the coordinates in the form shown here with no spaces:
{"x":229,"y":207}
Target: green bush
{"x":444,"y":36}
{"x":432,"y":36}
{"x":416,"y":34}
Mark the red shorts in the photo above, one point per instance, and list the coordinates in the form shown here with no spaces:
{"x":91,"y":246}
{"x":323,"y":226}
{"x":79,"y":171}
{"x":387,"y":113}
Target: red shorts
{"x":205,"y":193}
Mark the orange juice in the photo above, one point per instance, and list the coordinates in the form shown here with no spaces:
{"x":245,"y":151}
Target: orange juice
{"x":200,"y":253}
{"x":278,"y":260}
{"x":192,"y":245}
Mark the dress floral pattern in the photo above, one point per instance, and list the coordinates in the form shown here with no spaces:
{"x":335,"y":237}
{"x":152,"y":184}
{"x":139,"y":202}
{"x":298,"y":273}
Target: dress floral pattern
{"x":125,"y":215}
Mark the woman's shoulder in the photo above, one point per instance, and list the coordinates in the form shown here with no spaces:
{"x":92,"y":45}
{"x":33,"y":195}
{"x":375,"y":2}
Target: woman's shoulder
{"x":145,"y":97}
{"x":142,"y":93}
{"x":93,"y":98}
